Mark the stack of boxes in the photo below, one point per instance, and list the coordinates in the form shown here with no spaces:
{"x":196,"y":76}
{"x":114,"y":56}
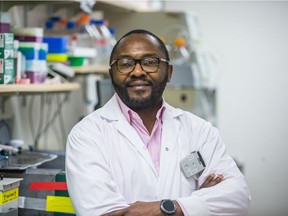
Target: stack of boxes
{"x":57,"y":48}
{"x":6,"y":58}
{"x":34,"y":51}
{"x":35,"y":60}
{"x":9,"y":193}
{"x":4,"y":22}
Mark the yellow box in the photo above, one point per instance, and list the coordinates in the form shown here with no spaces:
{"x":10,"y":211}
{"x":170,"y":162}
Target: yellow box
{"x":57,"y":57}
{"x":9,"y":193}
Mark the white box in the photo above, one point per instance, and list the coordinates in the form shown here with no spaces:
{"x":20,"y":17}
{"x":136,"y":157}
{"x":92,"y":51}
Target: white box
{"x":9,"y":193}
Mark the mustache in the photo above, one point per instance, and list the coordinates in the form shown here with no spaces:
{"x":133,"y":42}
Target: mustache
{"x":136,"y":82}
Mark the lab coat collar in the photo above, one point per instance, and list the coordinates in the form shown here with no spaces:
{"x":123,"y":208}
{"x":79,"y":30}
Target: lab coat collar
{"x":111,"y":110}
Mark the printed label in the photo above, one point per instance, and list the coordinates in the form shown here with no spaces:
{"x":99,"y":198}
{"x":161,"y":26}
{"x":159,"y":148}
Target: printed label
{"x":9,"y":196}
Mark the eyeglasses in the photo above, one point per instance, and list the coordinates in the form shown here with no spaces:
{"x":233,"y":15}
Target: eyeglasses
{"x":148,"y":64}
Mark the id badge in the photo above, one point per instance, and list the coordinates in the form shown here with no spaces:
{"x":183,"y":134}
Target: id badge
{"x":192,"y":164}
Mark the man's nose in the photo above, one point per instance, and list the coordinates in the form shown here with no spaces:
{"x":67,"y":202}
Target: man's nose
{"x":138,"y":71}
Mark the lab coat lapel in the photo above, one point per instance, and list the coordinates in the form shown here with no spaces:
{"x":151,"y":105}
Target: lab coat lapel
{"x":112,"y":111}
{"x":130,"y":134}
{"x":170,"y":131}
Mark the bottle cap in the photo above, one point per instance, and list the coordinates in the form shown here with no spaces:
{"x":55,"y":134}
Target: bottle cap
{"x":180,"y":42}
{"x":85,"y":19}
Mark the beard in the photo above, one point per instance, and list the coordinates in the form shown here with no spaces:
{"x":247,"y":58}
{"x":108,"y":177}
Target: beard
{"x":141,"y":102}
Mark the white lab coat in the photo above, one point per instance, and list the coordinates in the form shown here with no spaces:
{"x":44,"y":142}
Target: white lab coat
{"x":108,"y":166}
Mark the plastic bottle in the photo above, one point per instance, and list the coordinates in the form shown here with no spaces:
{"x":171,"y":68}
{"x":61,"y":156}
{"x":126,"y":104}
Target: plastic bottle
{"x":56,"y":26}
{"x":43,"y":70}
{"x":105,"y":43}
{"x":179,"y":52}
{"x":49,"y":25}
{"x":82,"y":42}
{"x":70,"y":27}
{"x":19,"y":63}
{"x":84,"y":31}
{"x":112,"y":39}
{"x":71,"y":35}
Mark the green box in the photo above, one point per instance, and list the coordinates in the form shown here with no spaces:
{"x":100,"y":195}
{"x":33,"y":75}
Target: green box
{"x":6,"y":71}
{"x":61,"y":177}
{"x":76,"y":61}
{"x":6,"y":53}
{"x":7,"y":40}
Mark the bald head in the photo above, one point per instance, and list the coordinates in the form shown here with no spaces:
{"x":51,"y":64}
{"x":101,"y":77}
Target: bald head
{"x":162,"y":46}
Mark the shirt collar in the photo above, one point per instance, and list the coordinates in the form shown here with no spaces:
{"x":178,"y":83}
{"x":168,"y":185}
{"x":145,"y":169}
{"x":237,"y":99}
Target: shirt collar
{"x":128,"y":113}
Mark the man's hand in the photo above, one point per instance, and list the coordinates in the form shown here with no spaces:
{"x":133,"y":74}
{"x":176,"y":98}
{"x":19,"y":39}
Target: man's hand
{"x":139,"y":209}
{"x":153,"y":208}
{"x":212,"y":180}
{"x":143,"y":209}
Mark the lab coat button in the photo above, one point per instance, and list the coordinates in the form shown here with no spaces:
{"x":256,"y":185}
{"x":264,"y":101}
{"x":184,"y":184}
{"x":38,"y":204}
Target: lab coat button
{"x":167,"y":149}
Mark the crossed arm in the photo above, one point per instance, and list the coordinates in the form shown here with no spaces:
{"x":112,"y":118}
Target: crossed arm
{"x":153,"y":208}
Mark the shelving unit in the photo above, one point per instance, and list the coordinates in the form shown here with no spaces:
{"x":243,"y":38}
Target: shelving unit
{"x":124,"y":16}
{"x":37,"y":88}
{"x":119,"y":5}
{"x":97,"y":69}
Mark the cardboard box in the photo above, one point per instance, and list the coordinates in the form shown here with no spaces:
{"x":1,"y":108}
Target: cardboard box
{"x":9,"y":193}
{"x":7,"y":41}
{"x":6,"y":45}
{"x":6,"y":53}
{"x":6,"y":71}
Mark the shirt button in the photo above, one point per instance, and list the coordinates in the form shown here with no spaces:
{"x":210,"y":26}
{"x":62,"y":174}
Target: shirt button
{"x":167,"y":149}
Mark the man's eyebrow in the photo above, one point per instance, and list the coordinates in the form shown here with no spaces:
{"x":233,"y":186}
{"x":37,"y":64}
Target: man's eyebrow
{"x":143,"y":56}
{"x":151,"y":55}
{"x":123,"y":56}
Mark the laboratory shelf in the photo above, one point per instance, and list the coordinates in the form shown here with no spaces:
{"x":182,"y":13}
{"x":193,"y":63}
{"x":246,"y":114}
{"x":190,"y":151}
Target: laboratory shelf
{"x":11,"y":89}
{"x":97,"y":69}
{"x":119,"y":5}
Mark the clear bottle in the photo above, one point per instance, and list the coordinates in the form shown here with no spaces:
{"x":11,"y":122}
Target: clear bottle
{"x":43,"y":69}
{"x":179,"y":52}
{"x":84,"y":31}
{"x":105,"y":43}
{"x":19,"y":63}
{"x":82,"y":39}
{"x":71,"y":35}
{"x":49,"y":28}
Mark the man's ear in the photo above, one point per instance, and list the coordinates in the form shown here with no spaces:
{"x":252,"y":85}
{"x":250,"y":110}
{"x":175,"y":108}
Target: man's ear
{"x":170,"y":71}
{"x":110,"y":72}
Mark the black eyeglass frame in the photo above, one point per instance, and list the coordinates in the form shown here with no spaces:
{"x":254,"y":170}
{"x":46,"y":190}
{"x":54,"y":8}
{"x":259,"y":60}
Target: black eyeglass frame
{"x":139,"y":61}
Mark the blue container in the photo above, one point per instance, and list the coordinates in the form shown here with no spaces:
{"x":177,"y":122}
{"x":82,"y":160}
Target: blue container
{"x":30,"y":50}
{"x":56,"y":44}
{"x":43,"y":51}
{"x":29,"y":53}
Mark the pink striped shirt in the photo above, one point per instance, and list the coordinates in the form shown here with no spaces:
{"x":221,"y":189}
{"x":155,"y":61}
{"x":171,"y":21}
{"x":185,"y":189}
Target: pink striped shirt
{"x":151,"y":141}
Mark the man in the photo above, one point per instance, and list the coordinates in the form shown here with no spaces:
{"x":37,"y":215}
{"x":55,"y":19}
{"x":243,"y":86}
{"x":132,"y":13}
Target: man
{"x":125,"y":158}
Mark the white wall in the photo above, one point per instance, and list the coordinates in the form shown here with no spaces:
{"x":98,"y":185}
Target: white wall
{"x":251,"y":39}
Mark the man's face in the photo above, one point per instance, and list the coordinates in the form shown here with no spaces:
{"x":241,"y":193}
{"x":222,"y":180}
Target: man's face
{"x":138,"y":89}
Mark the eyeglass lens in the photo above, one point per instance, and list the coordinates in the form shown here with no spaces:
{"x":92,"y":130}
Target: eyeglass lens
{"x":126,"y":65}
